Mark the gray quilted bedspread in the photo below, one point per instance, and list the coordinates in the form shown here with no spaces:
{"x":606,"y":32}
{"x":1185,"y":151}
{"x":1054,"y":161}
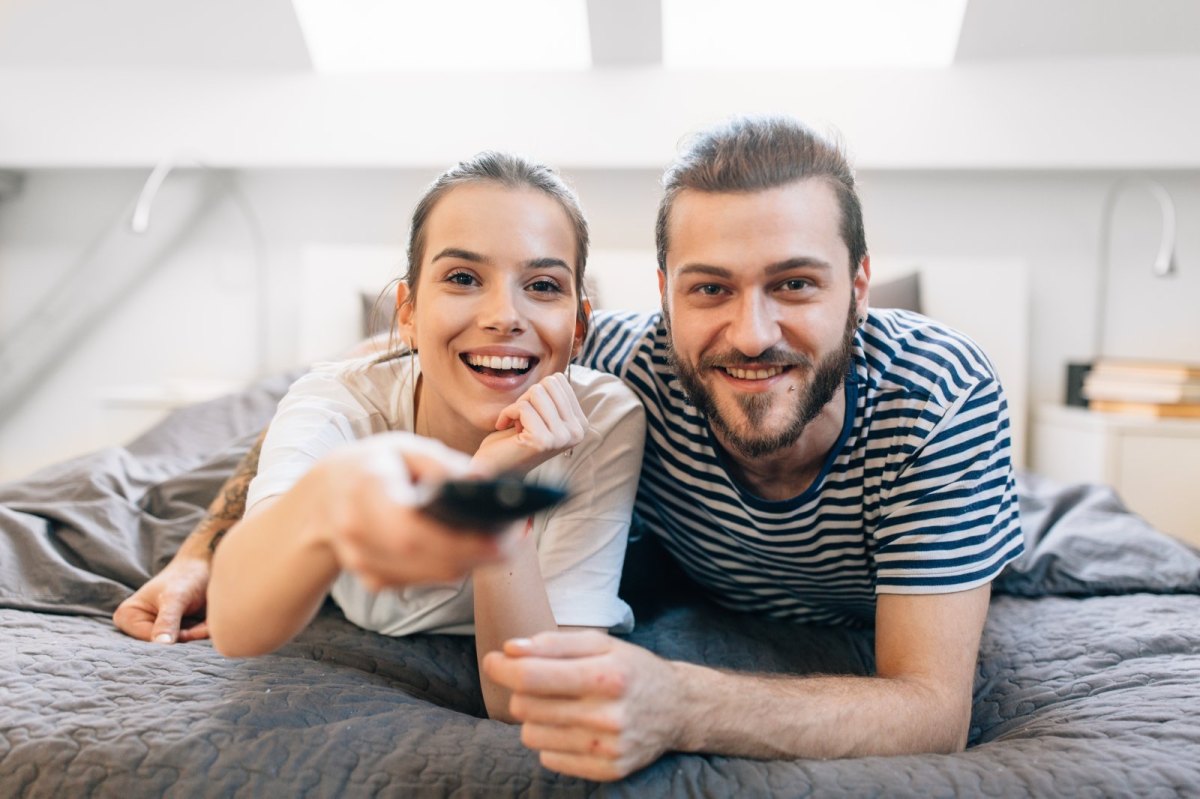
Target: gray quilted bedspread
{"x":1088,"y":681}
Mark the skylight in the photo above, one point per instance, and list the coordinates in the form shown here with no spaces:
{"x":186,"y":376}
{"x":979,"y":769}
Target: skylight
{"x":769,"y":34}
{"x":390,"y":36}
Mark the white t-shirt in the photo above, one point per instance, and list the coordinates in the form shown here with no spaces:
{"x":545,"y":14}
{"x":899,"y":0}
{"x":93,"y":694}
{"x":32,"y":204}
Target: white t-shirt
{"x":580,"y":543}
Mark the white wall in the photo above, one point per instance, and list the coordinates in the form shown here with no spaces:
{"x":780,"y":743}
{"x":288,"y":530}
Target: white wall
{"x":195,"y":318}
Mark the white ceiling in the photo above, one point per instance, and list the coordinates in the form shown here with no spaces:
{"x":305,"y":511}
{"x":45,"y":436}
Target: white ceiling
{"x":1037,"y":84}
{"x":265,"y":34}
{"x":1010,"y":29}
{"x":171,"y":34}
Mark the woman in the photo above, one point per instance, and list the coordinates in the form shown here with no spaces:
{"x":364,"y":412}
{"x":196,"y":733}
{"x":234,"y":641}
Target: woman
{"x":489,"y":313}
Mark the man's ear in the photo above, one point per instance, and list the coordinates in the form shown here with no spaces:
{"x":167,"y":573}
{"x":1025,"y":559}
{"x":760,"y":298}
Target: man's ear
{"x":862,"y":283}
{"x":662,"y":285}
{"x":404,"y":312}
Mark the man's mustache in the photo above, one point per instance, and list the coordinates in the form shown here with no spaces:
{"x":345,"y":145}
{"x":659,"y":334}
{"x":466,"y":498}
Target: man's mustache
{"x":771,"y":357}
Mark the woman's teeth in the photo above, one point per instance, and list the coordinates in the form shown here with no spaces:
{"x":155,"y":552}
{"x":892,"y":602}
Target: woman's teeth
{"x":754,"y":374}
{"x":499,"y":362}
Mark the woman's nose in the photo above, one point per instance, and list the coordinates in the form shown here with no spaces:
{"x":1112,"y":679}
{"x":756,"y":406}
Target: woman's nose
{"x":500,"y":312}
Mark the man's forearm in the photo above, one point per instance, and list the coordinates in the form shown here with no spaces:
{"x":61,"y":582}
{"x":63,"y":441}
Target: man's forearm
{"x":226,"y":509}
{"x":816,"y":717}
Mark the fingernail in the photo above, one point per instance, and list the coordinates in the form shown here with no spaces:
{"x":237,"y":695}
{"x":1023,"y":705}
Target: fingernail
{"x":163,"y":638}
{"x":520,"y":643}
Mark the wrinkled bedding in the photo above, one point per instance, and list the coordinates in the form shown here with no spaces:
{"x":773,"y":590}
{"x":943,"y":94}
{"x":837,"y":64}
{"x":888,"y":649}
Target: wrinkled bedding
{"x":1086,"y":685}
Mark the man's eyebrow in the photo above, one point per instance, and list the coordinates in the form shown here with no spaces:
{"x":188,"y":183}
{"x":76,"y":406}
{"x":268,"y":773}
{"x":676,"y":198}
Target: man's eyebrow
{"x":462,"y":255}
{"x":705,"y":269}
{"x":802,"y":262}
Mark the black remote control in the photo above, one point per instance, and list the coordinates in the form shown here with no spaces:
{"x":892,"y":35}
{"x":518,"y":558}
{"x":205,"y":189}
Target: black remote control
{"x":489,"y":505}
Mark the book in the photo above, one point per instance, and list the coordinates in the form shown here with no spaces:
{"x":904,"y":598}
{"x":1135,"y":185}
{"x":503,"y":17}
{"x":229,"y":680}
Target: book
{"x":1154,"y":371}
{"x":1163,"y":410}
{"x":1102,"y":388}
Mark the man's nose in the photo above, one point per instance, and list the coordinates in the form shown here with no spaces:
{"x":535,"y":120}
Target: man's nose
{"x":754,"y":328}
{"x":501,"y":313}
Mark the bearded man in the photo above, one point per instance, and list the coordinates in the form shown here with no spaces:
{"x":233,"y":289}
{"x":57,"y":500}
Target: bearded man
{"x":806,"y":458}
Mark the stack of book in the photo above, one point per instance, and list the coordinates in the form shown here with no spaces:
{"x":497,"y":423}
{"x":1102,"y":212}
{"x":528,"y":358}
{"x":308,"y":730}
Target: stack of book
{"x":1146,"y":388}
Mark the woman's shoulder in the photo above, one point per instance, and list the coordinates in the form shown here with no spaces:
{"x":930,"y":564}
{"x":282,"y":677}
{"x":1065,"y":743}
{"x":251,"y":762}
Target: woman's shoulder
{"x":368,"y":382}
{"x":600,"y":392}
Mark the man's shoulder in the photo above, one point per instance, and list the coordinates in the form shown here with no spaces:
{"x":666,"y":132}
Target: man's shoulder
{"x":903,"y":351}
{"x":619,"y":338}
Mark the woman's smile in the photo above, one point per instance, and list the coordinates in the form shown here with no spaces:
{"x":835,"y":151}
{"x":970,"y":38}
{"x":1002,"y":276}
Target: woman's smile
{"x":503,"y":369}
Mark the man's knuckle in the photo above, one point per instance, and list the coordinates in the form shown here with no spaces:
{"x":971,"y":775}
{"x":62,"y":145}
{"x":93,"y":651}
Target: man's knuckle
{"x":520,"y":679}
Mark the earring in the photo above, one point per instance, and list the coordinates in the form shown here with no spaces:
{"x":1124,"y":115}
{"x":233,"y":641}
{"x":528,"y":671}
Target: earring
{"x":412,"y":380}
{"x":861,"y":320}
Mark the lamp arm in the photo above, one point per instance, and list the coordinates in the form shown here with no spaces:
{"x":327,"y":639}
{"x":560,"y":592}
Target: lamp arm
{"x":1164,"y":261}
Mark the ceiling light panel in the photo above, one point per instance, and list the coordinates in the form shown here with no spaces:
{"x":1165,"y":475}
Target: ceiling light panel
{"x":770,"y":34}
{"x":454,"y":35}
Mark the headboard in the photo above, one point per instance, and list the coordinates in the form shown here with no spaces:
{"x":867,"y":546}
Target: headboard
{"x":988,"y":299}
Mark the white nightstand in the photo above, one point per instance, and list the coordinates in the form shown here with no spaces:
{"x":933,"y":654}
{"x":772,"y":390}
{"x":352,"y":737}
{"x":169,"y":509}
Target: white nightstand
{"x":1153,"y":463}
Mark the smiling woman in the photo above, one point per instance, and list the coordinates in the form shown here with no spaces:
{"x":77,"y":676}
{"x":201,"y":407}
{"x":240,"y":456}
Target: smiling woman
{"x":488,"y":317}
{"x":498,"y":297}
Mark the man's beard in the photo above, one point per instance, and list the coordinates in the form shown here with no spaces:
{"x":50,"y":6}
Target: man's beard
{"x":827,"y":375}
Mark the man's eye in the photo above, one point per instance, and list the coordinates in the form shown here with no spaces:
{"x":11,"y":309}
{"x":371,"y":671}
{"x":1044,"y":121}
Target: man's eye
{"x":708,"y":289}
{"x":795,"y":284}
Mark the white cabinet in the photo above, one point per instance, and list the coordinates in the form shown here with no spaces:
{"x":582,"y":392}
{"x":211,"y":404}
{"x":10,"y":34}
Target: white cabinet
{"x":1153,"y":463}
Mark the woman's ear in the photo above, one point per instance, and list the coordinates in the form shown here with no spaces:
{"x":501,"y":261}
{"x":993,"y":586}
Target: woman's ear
{"x":582,"y":323}
{"x":404,"y":313}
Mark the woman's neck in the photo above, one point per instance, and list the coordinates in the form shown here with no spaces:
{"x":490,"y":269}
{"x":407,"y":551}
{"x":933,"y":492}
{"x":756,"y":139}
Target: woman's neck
{"x":454,"y":433}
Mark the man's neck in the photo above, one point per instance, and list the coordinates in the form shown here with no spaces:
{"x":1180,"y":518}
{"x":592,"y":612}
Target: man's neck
{"x":788,"y":472}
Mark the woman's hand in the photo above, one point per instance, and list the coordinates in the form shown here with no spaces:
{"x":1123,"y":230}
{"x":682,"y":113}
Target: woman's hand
{"x":545,"y":421}
{"x":358,"y":509}
{"x":157,"y":610}
{"x":375,"y":526}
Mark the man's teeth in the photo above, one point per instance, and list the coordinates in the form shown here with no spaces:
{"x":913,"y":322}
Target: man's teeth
{"x":504,"y":362}
{"x":754,"y":374}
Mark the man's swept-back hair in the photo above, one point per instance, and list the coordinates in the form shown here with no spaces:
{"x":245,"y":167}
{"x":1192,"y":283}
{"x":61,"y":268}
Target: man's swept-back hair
{"x":754,"y":153}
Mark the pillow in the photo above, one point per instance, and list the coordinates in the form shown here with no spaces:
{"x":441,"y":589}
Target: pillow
{"x":901,"y":292}
{"x":376,"y":314}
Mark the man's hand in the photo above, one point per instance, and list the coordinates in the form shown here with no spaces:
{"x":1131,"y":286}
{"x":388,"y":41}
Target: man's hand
{"x":593,"y":706}
{"x":156,"y":611}
{"x":545,"y":421}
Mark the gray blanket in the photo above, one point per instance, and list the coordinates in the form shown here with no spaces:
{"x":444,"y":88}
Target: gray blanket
{"x":1086,"y":682}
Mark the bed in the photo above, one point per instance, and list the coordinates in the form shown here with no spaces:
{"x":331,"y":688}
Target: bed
{"x":1086,"y":684}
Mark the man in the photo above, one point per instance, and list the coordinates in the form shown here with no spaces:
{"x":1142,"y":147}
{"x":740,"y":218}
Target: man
{"x":804,"y":460}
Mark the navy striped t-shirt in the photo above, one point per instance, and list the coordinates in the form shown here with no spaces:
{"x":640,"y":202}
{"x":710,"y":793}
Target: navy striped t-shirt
{"x":916,"y":497}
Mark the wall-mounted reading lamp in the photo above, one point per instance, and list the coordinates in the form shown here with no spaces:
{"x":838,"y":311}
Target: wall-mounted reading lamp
{"x":1164,"y":265}
{"x":139,"y":222}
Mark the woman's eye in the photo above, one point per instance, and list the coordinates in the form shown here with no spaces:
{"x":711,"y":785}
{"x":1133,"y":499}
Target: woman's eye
{"x":545,"y":287}
{"x":461,"y":278}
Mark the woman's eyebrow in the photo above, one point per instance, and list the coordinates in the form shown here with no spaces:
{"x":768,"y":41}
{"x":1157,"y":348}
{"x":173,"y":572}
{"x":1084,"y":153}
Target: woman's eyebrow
{"x":462,"y":255}
{"x":546,"y":263}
